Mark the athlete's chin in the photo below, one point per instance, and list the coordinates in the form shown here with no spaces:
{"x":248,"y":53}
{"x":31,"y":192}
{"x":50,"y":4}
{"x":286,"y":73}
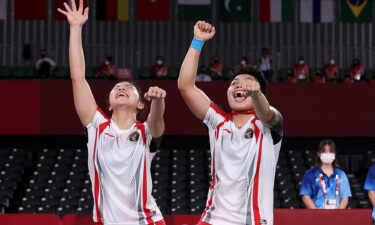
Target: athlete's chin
{"x":240,"y":106}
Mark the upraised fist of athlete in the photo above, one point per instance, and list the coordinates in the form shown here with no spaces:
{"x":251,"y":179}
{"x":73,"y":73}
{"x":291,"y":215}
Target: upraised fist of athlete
{"x":155,"y":93}
{"x":203,"y":31}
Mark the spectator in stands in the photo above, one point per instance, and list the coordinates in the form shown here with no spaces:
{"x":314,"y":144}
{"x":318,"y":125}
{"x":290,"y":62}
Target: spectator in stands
{"x":325,"y":186}
{"x":357,"y":70}
{"x":107,"y":70}
{"x":45,"y":65}
{"x":319,"y":77}
{"x":289,"y":77}
{"x":118,"y":146}
{"x":370,"y":187}
{"x":301,"y":70}
{"x":236,"y":139}
{"x":203,"y":75}
{"x":216,"y":68}
{"x":265,"y":64}
{"x":243,"y":63}
{"x":331,"y":71}
{"x":159,"y":69}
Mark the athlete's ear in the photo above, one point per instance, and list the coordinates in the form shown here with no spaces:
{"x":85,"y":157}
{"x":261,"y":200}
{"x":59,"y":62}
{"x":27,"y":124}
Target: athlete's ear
{"x":140,"y":105}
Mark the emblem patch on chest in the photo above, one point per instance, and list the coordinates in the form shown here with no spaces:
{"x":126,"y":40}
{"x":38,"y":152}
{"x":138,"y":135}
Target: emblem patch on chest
{"x":134,"y":136}
{"x":249,"y":133}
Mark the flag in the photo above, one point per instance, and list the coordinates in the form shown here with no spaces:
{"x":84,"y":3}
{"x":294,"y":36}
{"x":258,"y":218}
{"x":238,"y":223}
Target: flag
{"x":317,"y":11}
{"x":276,"y":10}
{"x":153,"y":9}
{"x":30,"y":10}
{"x":60,"y":4}
{"x":193,"y":10}
{"x":112,"y":10}
{"x":3,"y":9}
{"x":234,"y":10}
{"x":356,"y":11}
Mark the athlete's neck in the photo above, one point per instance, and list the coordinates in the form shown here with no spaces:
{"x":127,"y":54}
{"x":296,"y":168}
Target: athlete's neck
{"x":124,"y":119}
{"x":241,"y":117}
{"x":327,"y":168}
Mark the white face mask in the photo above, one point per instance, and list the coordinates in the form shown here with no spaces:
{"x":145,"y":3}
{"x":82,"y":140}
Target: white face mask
{"x":332,"y":61}
{"x":301,"y":62}
{"x":327,"y":157}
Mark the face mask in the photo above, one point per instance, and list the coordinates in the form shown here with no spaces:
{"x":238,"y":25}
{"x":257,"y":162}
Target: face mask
{"x":243,"y":62}
{"x":159,"y":62}
{"x":301,"y":62}
{"x":327,"y":157}
{"x":332,"y":61}
{"x":106,"y":62}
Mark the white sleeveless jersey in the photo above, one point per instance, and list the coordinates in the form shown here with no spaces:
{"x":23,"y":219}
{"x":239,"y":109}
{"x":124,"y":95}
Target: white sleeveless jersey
{"x":119,"y":164}
{"x":243,"y":170}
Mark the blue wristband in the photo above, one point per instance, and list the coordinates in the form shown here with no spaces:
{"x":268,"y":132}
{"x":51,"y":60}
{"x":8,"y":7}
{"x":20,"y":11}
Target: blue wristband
{"x":197,"y":44}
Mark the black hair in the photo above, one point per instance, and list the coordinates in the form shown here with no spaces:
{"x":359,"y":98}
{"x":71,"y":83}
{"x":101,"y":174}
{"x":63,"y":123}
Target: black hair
{"x":109,"y":58}
{"x":322,"y":144}
{"x":253,"y":71}
{"x":141,"y":113}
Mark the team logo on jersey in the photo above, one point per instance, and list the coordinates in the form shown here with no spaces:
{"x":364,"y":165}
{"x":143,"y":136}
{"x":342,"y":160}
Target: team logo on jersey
{"x":249,"y":133}
{"x":134,"y":136}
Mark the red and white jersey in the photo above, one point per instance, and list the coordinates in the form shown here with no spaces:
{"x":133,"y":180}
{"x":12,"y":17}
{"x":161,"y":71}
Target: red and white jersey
{"x":119,"y":164}
{"x":243,"y":170}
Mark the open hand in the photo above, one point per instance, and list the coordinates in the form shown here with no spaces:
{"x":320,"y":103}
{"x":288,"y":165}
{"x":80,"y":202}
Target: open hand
{"x":155,"y":93}
{"x":75,"y":17}
{"x":204,"y":31}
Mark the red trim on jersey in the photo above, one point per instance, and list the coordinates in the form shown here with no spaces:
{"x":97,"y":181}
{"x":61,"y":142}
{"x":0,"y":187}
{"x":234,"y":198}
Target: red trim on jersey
{"x":141,"y":127}
{"x":99,"y":131}
{"x":144,"y":193}
{"x":96,"y":183}
{"x":101,"y":112}
{"x":256,"y":129}
{"x":244,"y":112}
{"x":218,"y":110}
{"x":256,"y":185}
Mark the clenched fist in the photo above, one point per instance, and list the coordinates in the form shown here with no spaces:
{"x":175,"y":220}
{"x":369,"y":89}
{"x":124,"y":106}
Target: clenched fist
{"x":155,"y":93}
{"x":204,"y":31}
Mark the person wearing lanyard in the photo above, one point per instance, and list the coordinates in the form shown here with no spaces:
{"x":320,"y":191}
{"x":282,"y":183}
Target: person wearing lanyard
{"x":325,"y":186}
{"x":370,"y":187}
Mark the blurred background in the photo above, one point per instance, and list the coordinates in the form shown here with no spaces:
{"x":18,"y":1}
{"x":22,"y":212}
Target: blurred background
{"x":316,"y":55}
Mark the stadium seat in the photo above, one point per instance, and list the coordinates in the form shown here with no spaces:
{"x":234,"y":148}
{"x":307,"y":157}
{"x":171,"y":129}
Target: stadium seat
{"x":5,"y":72}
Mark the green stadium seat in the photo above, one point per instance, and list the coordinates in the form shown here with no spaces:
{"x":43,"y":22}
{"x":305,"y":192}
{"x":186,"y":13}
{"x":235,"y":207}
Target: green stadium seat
{"x":144,"y":73}
{"x":5,"y":72}
{"x":227,"y":75}
{"x":29,"y":72}
{"x":281,"y":74}
{"x":173,"y":73}
{"x":61,"y":72}
{"x":368,"y":74}
{"x":90,"y":72}
{"x":18,"y":72}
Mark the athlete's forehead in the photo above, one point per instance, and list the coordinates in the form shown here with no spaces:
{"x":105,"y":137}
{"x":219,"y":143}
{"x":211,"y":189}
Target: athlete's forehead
{"x":123,"y":84}
{"x":243,"y":77}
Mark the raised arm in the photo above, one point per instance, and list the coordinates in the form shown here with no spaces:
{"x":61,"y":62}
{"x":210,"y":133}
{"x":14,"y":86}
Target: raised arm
{"x":155,"y":119}
{"x":83,"y":98}
{"x":266,"y":113}
{"x":196,"y":99}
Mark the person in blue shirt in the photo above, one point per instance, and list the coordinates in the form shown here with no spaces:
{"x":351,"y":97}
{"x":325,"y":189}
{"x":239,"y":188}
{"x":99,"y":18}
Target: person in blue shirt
{"x":370,"y":187}
{"x":325,"y":186}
